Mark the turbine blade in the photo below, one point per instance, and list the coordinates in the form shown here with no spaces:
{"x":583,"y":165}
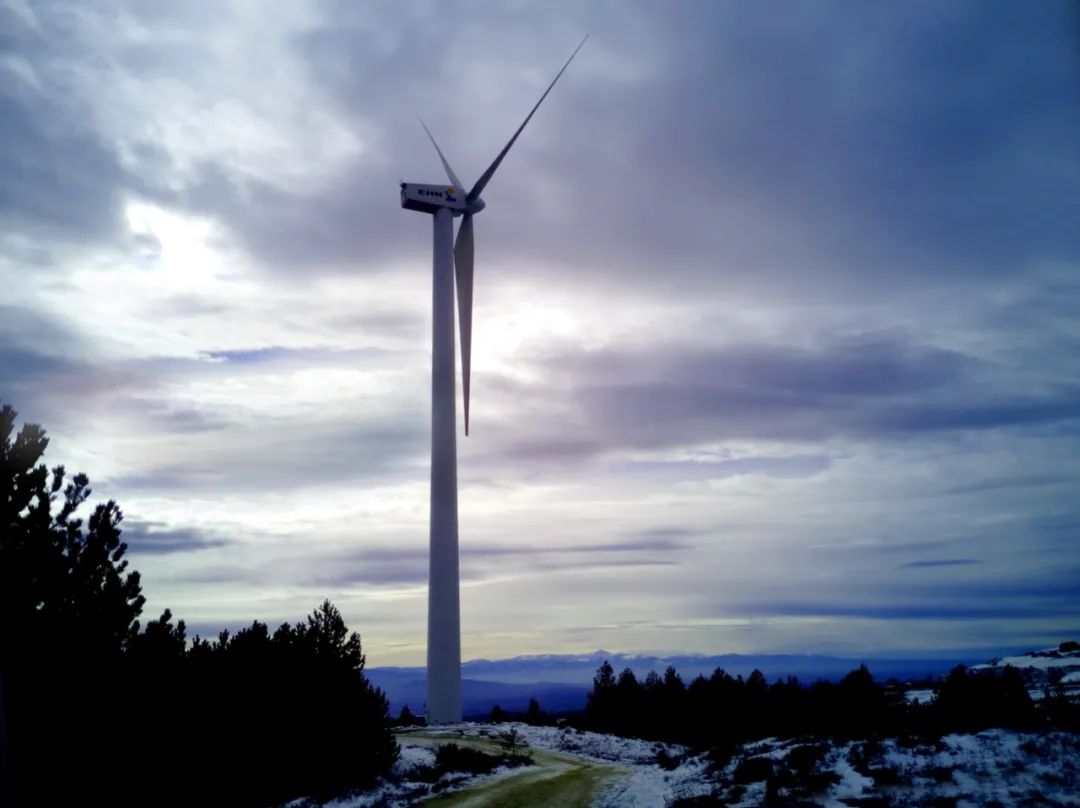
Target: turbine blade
{"x":463,"y":272}
{"x":449,"y":171}
{"x":487,"y":175}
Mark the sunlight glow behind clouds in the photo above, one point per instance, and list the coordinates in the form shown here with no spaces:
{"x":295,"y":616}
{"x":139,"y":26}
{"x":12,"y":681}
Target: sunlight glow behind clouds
{"x":783,"y":357}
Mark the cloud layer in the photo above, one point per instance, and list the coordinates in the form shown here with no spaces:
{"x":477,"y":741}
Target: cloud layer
{"x":775,"y":335}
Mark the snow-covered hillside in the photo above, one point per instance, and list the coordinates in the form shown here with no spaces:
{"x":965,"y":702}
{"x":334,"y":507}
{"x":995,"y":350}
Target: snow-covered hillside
{"x":991,"y":768}
{"x":1042,"y":669}
{"x":1065,"y":657}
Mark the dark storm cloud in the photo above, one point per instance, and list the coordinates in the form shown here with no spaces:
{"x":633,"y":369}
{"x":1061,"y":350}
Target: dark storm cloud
{"x":62,"y":183}
{"x":1058,"y":405}
{"x":942,"y":562}
{"x":867,"y":146}
{"x":154,"y":538}
{"x":20,"y":365}
{"x":707,"y":154}
{"x":873,"y":142}
{"x":869,"y":365}
{"x":947,"y":594}
{"x":42,"y":373}
{"x":670,"y":395}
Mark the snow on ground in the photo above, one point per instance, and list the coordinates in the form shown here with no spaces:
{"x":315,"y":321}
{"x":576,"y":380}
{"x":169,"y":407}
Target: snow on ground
{"x":921,"y":696}
{"x":1039,"y":660}
{"x":651,"y":786}
{"x":594,"y":745}
{"x":1040,"y":670}
{"x":413,"y":758}
{"x":402,"y":788}
{"x":852,"y":784}
{"x":647,"y":784}
{"x":992,"y":768}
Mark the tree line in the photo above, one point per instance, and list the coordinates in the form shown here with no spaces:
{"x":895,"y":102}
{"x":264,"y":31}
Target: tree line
{"x":721,"y":710}
{"x":96,"y":708}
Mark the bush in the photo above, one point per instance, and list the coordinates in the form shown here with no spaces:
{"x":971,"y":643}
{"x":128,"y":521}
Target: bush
{"x":720,"y":754}
{"x":885,"y":775}
{"x":453,"y":758}
{"x":805,"y":758}
{"x":666,"y":761}
{"x":752,"y":770}
{"x":939,"y":774}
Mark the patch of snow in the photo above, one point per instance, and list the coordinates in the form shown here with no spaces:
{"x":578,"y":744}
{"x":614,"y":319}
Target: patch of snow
{"x":413,"y":758}
{"x":921,"y":696}
{"x":1039,"y":661}
{"x":852,"y":784}
{"x":605,"y":748}
{"x":993,"y":767}
{"x":650,"y":786}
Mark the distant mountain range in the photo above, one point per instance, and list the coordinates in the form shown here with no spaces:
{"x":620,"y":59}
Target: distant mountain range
{"x":561,"y":682}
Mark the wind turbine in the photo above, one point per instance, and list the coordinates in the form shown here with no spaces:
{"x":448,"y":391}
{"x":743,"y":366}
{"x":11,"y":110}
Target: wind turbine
{"x":451,"y":260}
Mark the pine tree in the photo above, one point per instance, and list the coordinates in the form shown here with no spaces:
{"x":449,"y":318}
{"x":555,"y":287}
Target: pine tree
{"x":63,"y":592}
{"x":601,"y":707}
{"x":533,"y":714}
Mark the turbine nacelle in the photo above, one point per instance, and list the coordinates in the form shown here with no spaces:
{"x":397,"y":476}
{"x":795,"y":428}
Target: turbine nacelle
{"x":429,"y":198}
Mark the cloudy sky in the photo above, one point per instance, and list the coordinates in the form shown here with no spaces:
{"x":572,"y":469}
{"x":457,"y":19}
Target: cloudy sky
{"x":776,"y":334}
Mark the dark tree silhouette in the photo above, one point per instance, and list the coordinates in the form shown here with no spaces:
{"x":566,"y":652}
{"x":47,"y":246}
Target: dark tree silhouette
{"x":68,"y":609}
{"x":99,"y":712}
{"x":601,"y":703}
{"x":719,"y":712}
{"x":534,"y":715}
{"x":63,"y":592}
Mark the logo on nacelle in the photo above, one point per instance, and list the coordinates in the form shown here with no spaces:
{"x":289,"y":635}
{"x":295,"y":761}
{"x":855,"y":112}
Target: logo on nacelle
{"x":450,"y":195}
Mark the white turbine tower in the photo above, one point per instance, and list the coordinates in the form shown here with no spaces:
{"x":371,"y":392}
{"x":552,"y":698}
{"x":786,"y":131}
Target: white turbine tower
{"x":450,"y":259}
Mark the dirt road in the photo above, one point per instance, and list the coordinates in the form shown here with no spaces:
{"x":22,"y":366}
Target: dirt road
{"x":556,"y":779}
